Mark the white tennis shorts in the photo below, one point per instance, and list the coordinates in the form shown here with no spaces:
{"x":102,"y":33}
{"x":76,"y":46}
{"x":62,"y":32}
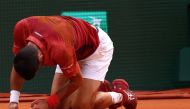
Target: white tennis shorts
{"x":96,"y":65}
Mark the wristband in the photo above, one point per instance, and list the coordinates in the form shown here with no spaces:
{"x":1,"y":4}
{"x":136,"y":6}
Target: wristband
{"x":53,"y":101}
{"x":14,"y":96}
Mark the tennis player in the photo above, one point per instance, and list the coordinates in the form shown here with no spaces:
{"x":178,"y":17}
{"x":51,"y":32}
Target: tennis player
{"x":82,"y":54}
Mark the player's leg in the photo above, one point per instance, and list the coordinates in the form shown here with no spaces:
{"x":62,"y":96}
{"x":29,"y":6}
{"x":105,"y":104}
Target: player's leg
{"x":102,"y":97}
{"x":94,"y":69}
{"x":106,"y":97}
{"x":82,"y":98}
{"x":89,"y":97}
{"x":85,"y":96}
{"x":103,"y":100}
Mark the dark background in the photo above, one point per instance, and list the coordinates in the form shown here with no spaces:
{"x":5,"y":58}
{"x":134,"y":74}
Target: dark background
{"x":147,"y":34}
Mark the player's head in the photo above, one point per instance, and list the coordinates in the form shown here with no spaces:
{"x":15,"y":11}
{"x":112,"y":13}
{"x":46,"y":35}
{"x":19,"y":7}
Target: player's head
{"x":26,"y":62}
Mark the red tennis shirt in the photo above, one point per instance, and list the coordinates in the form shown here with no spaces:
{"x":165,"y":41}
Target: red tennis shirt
{"x":62,"y":40}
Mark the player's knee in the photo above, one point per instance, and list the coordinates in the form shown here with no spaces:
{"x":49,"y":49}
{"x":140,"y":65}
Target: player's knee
{"x":100,"y":103}
{"x":97,"y":104}
{"x":82,"y":104}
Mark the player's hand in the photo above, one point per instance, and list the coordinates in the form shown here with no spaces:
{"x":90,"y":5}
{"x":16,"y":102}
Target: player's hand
{"x":13,"y":105}
{"x":39,"y":104}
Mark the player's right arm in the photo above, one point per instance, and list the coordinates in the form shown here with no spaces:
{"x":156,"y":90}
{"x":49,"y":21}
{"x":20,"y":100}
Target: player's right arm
{"x":16,"y":84}
{"x":16,"y":81}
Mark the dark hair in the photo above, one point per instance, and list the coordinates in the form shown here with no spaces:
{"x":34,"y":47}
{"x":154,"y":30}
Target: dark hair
{"x":26,"y":62}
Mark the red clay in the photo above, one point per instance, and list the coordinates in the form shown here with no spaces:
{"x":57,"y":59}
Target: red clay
{"x":168,"y":99}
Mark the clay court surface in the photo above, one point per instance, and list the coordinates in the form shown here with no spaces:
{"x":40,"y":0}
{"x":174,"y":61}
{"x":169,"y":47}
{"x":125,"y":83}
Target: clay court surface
{"x":167,"y":99}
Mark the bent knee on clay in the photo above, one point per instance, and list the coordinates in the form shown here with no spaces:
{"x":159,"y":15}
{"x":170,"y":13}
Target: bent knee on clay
{"x":82,"y":105}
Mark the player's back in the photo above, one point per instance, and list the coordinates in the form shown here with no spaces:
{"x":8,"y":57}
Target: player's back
{"x":65,"y":29}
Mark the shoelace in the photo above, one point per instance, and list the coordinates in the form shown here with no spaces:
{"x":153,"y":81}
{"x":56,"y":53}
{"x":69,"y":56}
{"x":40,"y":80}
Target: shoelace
{"x":131,"y":95}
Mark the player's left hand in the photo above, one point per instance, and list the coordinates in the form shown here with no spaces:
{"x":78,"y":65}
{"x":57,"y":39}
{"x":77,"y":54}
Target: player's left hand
{"x":39,"y":104}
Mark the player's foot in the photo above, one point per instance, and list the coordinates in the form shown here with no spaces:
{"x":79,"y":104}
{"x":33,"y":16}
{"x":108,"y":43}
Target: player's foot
{"x":105,"y":86}
{"x":129,"y":98}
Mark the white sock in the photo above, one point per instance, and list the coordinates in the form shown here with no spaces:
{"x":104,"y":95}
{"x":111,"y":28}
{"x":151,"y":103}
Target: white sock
{"x":116,"y":97}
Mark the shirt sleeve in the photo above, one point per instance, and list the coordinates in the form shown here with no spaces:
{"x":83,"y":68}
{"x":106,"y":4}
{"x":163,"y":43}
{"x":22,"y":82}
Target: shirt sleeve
{"x":67,"y":61}
{"x":19,"y":35}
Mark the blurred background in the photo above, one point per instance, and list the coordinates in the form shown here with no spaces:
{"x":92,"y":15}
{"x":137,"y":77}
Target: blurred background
{"x":151,"y":39}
